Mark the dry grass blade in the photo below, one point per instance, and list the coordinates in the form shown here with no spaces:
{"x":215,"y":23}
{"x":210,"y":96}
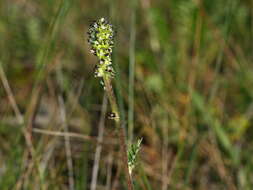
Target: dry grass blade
{"x":67,"y":144}
{"x":101,"y":127}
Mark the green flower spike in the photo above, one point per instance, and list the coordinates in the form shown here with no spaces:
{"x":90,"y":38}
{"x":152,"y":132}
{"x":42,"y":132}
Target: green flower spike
{"x":101,"y":41}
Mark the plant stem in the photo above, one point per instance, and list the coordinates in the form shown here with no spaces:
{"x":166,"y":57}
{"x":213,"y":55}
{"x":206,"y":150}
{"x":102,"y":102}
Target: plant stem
{"x":121,"y":132}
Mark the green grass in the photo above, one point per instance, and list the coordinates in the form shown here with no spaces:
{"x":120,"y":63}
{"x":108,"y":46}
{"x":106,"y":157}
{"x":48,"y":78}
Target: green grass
{"x":184,"y":83}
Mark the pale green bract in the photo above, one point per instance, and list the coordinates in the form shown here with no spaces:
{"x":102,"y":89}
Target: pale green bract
{"x":132,"y":155}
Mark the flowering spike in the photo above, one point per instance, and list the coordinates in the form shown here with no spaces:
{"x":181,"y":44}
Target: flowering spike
{"x":100,"y":38}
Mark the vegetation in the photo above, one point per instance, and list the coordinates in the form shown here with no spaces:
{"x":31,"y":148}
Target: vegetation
{"x":182,"y":77}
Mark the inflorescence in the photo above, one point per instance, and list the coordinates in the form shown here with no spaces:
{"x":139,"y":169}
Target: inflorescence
{"x":100,"y":38}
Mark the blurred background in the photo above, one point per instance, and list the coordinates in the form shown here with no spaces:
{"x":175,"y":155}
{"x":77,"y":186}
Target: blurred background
{"x":184,"y":83}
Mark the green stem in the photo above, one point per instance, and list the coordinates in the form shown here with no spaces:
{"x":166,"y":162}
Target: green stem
{"x":121,"y":132}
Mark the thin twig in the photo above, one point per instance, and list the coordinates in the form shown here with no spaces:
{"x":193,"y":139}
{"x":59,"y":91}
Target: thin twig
{"x":63,"y":134}
{"x":74,"y":135}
